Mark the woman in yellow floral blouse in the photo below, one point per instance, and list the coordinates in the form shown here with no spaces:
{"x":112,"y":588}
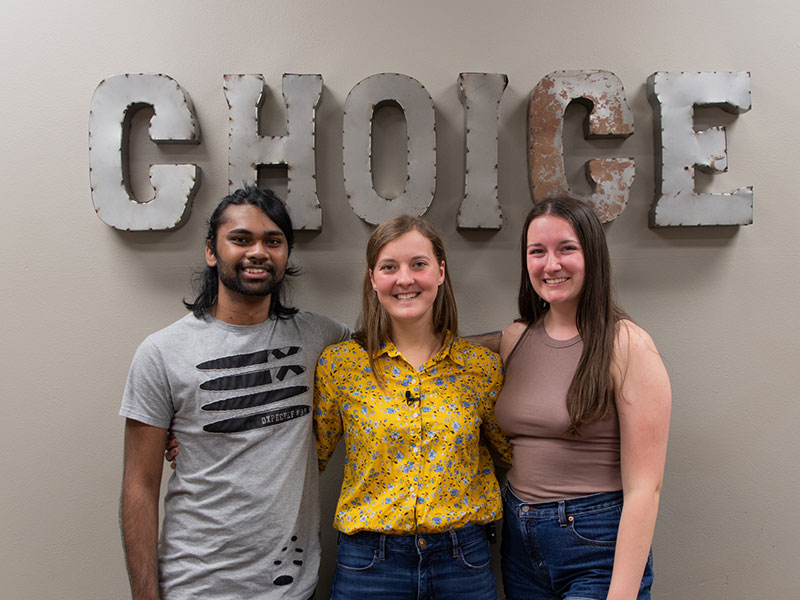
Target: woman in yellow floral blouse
{"x":415,"y":405}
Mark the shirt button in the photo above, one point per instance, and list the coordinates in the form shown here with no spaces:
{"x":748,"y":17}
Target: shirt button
{"x":421,"y":542}
{"x":413,"y":381}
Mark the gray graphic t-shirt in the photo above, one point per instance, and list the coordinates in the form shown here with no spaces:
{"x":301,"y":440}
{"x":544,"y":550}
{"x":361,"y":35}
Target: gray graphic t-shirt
{"x":242,"y":509}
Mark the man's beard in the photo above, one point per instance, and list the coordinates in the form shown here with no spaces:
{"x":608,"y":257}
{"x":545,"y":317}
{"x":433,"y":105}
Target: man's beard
{"x":233,"y":280}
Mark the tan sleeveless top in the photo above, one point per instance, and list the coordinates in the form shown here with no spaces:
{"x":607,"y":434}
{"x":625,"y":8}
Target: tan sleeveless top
{"x":532,"y":409}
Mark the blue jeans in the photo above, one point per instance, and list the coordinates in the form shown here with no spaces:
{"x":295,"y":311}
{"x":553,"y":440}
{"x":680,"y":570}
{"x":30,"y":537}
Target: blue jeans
{"x":562,"y":550}
{"x":442,"y":566}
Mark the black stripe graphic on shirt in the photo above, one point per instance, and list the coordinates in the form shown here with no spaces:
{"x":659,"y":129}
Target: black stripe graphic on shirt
{"x":246,"y":360}
{"x":265,"y":419}
{"x":259,"y":399}
{"x":251,"y":379}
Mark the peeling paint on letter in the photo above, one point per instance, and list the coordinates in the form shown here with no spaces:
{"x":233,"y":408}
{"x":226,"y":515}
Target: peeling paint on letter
{"x":609,"y":117}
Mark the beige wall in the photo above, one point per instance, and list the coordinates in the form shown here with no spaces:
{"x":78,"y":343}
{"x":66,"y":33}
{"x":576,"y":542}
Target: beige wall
{"x":78,"y":296}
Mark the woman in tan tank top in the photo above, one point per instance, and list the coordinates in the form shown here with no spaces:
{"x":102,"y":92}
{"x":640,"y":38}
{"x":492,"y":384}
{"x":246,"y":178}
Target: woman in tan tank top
{"x":589,"y":430}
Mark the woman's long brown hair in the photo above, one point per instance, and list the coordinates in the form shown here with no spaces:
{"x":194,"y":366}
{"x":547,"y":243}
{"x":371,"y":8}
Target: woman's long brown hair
{"x":591,"y":393}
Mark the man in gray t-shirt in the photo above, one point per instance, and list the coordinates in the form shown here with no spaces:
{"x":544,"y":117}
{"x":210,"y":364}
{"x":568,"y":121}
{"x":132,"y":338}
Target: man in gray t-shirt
{"x":234,"y":381}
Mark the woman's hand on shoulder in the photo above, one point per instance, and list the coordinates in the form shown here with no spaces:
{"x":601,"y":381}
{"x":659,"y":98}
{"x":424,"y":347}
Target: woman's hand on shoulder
{"x":510,"y":337}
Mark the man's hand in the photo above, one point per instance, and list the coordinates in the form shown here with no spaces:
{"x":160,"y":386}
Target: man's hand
{"x":172,"y":450}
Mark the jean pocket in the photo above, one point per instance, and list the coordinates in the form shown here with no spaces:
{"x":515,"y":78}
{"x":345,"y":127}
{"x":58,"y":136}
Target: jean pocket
{"x":597,"y":527}
{"x":475,"y":556}
{"x":354,"y":558}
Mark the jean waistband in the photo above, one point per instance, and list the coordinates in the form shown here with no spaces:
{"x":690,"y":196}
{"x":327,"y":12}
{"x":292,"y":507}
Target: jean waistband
{"x":560,"y":507}
{"x":423,"y":542}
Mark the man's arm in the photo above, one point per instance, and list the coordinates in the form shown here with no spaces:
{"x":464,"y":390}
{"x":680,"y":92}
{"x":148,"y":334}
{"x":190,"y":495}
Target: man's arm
{"x":141,"y":481}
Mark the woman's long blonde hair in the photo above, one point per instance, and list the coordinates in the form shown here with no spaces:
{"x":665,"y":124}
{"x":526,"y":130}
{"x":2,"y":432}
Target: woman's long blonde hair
{"x":374,"y":325}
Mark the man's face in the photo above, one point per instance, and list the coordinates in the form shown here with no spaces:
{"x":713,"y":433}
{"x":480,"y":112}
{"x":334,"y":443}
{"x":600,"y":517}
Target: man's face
{"x":252,"y":252}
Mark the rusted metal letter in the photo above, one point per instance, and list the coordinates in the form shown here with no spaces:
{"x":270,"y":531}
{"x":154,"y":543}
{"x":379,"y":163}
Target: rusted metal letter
{"x":359,"y":109}
{"x":114,"y":102}
{"x":609,"y":117}
{"x":480,"y":94}
{"x":673,"y":96}
{"x":247,"y":150}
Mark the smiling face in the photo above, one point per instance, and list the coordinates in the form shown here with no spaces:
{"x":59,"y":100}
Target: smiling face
{"x":406,"y":277}
{"x":251,"y":253}
{"x":555,"y":261}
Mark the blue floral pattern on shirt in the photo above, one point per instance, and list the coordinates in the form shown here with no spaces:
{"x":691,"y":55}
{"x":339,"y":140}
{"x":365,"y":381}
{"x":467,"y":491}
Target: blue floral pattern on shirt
{"x":411,"y":467}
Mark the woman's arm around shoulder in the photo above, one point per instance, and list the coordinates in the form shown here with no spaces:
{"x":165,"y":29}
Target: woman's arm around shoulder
{"x":643,"y":401}
{"x":509,"y":339}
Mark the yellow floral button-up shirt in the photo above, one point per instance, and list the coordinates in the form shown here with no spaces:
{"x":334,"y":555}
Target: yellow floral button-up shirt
{"x":411,"y":466}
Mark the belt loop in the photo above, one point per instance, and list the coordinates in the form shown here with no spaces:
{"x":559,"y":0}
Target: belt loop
{"x":382,"y":546}
{"x":562,"y":513}
{"x":454,"y":542}
{"x":338,"y":537}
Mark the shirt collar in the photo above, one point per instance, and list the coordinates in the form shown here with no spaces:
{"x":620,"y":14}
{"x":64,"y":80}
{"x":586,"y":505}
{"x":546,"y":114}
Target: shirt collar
{"x":453,"y":347}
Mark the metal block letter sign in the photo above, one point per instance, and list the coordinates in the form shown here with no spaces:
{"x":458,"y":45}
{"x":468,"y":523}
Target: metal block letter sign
{"x":609,"y":117}
{"x":679,"y":148}
{"x":480,"y":94}
{"x":114,"y":101}
{"x":247,"y":150}
{"x":417,"y":106}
